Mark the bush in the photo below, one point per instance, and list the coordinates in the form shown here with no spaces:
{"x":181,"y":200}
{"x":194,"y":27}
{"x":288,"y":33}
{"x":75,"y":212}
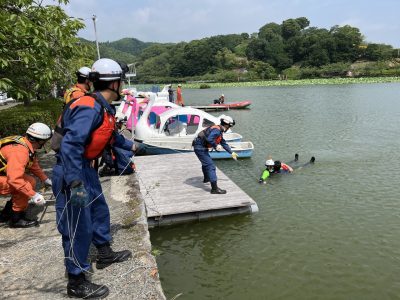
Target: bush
{"x":15,"y":120}
{"x":204,"y":86}
{"x":292,"y":73}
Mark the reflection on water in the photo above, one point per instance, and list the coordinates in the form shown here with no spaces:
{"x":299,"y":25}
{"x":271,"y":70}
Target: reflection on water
{"x":329,"y":231}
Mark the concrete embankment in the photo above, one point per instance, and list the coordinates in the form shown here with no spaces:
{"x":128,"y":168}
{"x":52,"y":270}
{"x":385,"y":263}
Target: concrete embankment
{"x":31,"y":260}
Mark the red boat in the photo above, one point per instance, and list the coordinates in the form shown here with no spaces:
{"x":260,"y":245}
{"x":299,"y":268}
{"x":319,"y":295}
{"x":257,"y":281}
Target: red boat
{"x":234,"y":105}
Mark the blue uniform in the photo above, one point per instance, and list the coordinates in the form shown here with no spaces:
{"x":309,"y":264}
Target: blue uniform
{"x":80,"y":226}
{"x":212,"y":137}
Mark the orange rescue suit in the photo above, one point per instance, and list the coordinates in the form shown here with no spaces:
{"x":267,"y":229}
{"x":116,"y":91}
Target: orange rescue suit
{"x":15,"y":182}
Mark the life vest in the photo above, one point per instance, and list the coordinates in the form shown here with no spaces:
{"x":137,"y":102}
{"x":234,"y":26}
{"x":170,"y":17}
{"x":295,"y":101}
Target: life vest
{"x":68,"y":95}
{"x":206,"y":132}
{"x":15,"y":139}
{"x":99,"y":138}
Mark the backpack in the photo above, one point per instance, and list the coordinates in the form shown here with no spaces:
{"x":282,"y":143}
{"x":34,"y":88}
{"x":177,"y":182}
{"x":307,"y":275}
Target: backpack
{"x":15,"y":139}
{"x":68,"y":94}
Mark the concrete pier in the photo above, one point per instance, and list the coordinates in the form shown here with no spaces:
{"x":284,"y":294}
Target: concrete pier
{"x":32,"y":259}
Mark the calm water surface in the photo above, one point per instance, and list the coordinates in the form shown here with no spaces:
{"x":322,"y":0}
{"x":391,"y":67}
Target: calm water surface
{"x":330,"y":231}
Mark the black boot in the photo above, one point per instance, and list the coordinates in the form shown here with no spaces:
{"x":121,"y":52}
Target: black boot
{"x":215,"y":189}
{"x":205,"y":180}
{"x":106,"y":256}
{"x":18,"y":220}
{"x":79,"y":287}
{"x":5,"y":214}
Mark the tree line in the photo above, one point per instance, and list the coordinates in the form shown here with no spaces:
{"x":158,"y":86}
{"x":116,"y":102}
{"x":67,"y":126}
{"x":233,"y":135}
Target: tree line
{"x":291,"y":49}
{"x":41,"y":49}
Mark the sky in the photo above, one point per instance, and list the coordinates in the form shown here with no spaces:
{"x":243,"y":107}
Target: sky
{"x":186,"y":20}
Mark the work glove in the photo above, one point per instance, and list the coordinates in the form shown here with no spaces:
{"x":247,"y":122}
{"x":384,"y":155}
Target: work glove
{"x":219,"y":148}
{"x":136,"y":147}
{"x":37,"y":199}
{"x":234,"y":155}
{"x":48,"y":183}
{"x":79,"y":196}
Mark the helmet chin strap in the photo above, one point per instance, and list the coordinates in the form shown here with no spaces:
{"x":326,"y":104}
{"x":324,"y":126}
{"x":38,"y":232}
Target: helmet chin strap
{"x":116,"y":91}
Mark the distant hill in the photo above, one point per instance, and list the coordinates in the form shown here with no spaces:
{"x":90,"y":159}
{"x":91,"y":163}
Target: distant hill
{"x":125,"y":49}
{"x":292,"y":49}
{"x":129,"y":45}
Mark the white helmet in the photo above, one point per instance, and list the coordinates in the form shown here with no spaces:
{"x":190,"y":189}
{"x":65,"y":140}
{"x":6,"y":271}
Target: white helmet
{"x":106,"y":69}
{"x":222,"y":95}
{"x":269,"y":163}
{"x":227,"y":120}
{"x":84,"y":72}
{"x":39,"y":131}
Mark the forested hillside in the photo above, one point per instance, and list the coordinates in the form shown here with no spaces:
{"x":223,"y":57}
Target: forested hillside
{"x":292,"y":49}
{"x":41,"y":51}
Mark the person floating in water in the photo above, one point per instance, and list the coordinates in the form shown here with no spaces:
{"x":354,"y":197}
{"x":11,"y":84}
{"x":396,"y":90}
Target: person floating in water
{"x":275,"y":167}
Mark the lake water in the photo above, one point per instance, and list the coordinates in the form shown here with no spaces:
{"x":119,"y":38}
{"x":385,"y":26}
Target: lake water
{"x":328,"y":231}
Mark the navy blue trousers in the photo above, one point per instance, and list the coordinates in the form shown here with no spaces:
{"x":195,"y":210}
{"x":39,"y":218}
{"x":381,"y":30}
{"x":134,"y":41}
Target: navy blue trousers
{"x":207,"y":164}
{"x":80,"y":226}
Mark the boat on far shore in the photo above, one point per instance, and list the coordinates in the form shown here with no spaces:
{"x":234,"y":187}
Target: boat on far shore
{"x":234,"y":105}
{"x":225,"y":106}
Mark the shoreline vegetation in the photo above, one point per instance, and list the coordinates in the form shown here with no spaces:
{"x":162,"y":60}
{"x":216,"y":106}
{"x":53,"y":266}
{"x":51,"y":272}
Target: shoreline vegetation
{"x":16,"y":119}
{"x":291,"y":82}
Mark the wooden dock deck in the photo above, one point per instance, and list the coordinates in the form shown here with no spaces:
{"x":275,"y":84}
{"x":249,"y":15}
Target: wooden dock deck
{"x":174,"y":192}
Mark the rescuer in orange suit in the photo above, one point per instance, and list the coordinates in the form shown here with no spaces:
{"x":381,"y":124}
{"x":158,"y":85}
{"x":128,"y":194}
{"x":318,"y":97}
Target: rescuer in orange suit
{"x":81,"y":87}
{"x":17,"y":154}
{"x":179,"y":98}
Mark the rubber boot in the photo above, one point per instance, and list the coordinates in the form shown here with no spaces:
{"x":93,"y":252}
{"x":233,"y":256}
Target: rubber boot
{"x":5,"y":214}
{"x":296,"y":157}
{"x":215,"y":189}
{"x":79,"y":287}
{"x":106,"y":256}
{"x":18,"y":220}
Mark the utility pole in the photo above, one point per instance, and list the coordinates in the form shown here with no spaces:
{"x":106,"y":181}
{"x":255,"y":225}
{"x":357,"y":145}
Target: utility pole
{"x":95,"y":34}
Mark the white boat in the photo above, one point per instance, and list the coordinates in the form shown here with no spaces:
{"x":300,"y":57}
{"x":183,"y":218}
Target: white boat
{"x":173,"y":131}
{"x":181,"y":124}
{"x":242,"y":149}
{"x":131,"y":107}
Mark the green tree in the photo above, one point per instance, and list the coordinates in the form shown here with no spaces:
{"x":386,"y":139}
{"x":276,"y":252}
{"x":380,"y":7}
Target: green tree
{"x":378,"y":52}
{"x":225,"y":59}
{"x":290,"y":28}
{"x":199,"y":56}
{"x":39,"y":47}
{"x":269,"y":30}
{"x":347,"y":40}
{"x":262,"y":69}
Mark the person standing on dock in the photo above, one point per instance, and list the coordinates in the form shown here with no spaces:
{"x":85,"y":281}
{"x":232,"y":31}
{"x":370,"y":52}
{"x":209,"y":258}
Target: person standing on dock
{"x":83,"y":216}
{"x":171,"y":94}
{"x":179,"y":98}
{"x":212,"y":137}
